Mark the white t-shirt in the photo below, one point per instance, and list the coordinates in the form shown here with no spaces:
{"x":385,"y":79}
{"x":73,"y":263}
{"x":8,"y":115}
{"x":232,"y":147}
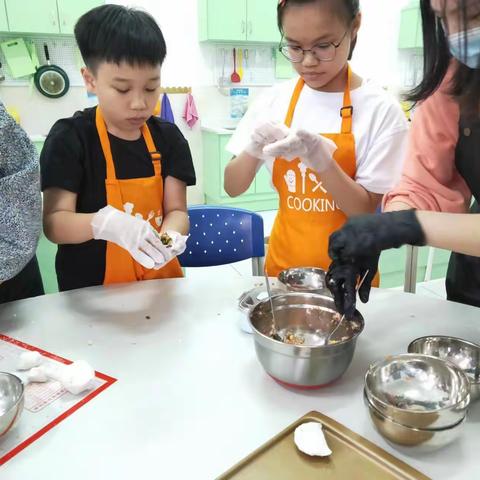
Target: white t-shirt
{"x":379,"y":127}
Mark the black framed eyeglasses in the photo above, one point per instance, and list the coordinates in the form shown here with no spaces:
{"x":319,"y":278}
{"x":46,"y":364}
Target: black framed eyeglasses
{"x":324,"y":52}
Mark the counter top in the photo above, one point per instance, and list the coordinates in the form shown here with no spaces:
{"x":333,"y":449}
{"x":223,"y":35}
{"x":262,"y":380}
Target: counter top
{"x":191,"y":398}
{"x":218,"y":130}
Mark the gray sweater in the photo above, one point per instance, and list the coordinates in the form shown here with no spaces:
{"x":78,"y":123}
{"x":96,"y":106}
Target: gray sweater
{"x":20,"y":201}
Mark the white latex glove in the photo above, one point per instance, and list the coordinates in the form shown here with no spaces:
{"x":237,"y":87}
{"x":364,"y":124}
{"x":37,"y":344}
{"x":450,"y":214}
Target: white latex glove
{"x":265,"y":134}
{"x":315,"y":151}
{"x":131,"y":233}
{"x":178,"y":246}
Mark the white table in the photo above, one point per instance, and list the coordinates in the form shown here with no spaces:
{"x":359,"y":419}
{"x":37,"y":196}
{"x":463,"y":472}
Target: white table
{"x":191,"y":399}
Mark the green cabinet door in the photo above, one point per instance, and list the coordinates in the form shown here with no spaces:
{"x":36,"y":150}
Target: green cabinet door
{"x":419,"y":33}
{"x":223,"y":20}
{"x":32,"y":16}
{"x":211,"y":164}
{"x":225,"y":157}
{"x":263,"y":181}
{"x":69,"y":11}
{"x":262,"y":21}
{"x":3,"y":17}
{"x":410,"y":29}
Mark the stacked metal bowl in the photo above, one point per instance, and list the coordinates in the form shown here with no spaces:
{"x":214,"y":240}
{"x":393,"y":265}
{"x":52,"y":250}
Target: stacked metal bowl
{"x":465,"y":355}
{"x":417,"y":400}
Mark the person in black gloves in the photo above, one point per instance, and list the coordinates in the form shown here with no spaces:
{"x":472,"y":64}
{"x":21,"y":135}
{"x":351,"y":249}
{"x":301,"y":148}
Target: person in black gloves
{"x":356,"y":247}
{"x":441,"y":173}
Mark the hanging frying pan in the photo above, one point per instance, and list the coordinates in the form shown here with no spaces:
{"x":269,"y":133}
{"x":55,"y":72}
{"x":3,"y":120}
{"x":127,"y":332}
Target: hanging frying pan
{"x":50,"y":80}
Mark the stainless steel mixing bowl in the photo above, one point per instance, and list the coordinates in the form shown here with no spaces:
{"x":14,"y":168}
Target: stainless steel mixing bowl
{"x":465,"y":355}
{"x":304,"y":279}
{"x":311,"y":317}
{"x":11,"y":401}
{"x":418,"y":391}
{"x":424,"y":440}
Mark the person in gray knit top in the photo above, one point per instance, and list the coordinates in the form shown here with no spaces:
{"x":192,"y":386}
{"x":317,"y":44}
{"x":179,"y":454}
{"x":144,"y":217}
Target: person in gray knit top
{"x":20,"y":212}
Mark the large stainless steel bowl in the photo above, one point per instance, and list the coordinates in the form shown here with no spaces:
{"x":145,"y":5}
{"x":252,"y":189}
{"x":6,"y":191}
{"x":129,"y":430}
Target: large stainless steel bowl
{"x":418,"y":391}
{"x":11,"y":401}
{"x":465,"y":355}
{"x":304,"y":279}
{"x":424,"y":440}
{"x":312,"y":317}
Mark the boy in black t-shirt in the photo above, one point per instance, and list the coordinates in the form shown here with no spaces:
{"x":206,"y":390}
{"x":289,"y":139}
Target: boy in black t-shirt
{"x":114,"y":177}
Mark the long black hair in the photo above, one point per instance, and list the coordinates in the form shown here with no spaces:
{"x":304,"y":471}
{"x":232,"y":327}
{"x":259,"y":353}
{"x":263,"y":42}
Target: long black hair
{"x":465,"y":86}
{"x":350,"y":9}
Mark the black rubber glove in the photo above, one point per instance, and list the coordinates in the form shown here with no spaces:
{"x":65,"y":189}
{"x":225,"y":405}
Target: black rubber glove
{"x":356,"y":248}
{"x":342,"y":279}
{"x":371,"y":234}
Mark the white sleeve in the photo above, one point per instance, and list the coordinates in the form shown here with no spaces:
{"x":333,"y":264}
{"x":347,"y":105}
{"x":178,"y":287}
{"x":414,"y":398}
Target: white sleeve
{"x":381,"y":168}
{"x":259,"y":112}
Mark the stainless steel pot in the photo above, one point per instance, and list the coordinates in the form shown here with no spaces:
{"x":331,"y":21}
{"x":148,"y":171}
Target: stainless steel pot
{"x":312,"y":317}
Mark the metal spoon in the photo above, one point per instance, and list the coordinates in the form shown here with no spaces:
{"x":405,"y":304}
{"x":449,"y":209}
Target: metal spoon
{"x":357,"y":288}
{"x":273,"y":332}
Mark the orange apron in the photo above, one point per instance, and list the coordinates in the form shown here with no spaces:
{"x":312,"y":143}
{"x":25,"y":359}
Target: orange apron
{"x":137,"y":196}
{"x":307,"y":213}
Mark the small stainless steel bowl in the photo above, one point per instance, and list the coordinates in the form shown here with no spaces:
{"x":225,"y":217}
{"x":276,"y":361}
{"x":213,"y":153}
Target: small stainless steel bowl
{"x":311,"y":316}
{"x":418,"y":391}
{"x":465,"y":355}
{"x":249,"y":299}
{"x":305,"y":279}
{"x":11,"y":401}
{"x":424,"y":440}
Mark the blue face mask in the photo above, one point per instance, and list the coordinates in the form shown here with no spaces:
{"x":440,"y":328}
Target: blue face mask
{"x":471,"y":55}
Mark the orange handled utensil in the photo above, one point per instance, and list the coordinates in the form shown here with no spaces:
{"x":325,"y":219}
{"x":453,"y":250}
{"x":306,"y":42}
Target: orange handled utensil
{"x":235,"y":77}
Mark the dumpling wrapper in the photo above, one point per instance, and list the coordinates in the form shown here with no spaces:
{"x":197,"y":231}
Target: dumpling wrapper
{"x":28,"y":360}
{"x":37,"y":375}
{"x":309,"y":439}
{"x":75,"y":378}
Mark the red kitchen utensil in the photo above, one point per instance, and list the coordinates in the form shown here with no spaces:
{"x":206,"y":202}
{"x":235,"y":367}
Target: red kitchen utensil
{"x":235,"y":77}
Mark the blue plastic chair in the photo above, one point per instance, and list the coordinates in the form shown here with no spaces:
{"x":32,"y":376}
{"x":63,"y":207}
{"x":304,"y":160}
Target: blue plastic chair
{"x":222,"y":235}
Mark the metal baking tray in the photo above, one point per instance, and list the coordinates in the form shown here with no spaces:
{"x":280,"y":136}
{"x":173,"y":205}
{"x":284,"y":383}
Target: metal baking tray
{"x":353,"y":457}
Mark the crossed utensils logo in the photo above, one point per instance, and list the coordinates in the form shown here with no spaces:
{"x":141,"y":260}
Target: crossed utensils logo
{"x":129,"y":207}
{"x":291,"y":180}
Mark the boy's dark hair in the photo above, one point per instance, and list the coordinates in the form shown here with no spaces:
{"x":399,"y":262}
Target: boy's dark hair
{"x":465,"y":85}
{"x":115,"y":34}
{"x":350,"y":9}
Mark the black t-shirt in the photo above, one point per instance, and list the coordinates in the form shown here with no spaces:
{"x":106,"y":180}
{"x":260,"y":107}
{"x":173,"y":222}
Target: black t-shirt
{"x":72,"y":159}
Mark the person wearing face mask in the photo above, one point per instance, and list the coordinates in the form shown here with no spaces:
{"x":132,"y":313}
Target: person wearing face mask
{"x":441,"y":176}
{"x":333,"y":142}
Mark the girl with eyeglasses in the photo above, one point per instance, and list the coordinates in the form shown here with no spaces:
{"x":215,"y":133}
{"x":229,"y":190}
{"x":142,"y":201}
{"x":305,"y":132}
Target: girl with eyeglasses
{"x":332,"y":141}
{"x":442,"y":169}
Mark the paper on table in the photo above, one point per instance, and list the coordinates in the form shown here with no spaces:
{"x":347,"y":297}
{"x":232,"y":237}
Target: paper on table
{"x":50,"y":399}
{"x":39,"y":395}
